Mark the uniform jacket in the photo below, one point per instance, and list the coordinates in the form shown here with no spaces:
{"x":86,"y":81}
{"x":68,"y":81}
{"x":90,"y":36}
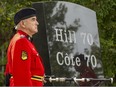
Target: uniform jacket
{"x":24,"y":63}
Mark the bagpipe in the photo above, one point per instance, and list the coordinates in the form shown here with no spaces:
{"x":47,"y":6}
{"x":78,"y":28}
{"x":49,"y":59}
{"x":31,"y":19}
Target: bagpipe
{"x":52,"y":79}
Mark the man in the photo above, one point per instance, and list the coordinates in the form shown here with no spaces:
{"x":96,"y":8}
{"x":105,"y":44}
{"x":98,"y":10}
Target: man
{"x":24,"y":63}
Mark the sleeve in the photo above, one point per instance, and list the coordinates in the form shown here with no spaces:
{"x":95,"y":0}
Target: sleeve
{"x":21,"y":63}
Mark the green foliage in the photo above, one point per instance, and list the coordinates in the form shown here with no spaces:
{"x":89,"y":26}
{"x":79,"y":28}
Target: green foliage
{"x":106,"y":17}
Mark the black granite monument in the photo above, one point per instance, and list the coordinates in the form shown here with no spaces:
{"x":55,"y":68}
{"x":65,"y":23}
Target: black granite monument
{"x":68,"y":41}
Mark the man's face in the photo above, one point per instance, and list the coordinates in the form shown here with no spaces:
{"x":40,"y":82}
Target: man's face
{"x":31,"y":25}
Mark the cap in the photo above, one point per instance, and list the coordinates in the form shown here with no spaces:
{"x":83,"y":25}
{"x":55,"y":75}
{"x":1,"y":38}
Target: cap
{"x":24,"y":14}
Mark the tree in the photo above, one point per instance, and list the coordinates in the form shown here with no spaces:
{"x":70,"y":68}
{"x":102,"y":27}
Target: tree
{"x":105,"y":10}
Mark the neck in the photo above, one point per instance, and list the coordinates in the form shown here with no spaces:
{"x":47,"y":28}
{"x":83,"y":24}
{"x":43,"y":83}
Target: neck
{"x":24,"y":30}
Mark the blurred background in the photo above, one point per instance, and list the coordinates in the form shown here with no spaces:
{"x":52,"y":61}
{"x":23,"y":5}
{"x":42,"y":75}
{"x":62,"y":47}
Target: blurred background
{"x":106,"y":19}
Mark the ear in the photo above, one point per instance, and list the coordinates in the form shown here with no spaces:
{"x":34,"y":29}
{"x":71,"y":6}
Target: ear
{"x":22,"y":23}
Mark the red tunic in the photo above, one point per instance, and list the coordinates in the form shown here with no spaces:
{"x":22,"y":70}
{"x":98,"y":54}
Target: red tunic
{"x":24,"y":62}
